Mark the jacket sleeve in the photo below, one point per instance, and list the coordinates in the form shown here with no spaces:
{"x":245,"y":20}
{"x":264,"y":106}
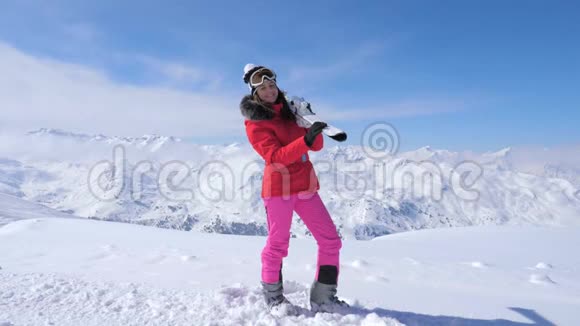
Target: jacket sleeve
{"x":318,"y":143}
{"x":266,"y":144}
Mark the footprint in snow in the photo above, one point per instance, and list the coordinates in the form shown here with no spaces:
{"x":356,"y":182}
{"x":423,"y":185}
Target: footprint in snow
{"x":186,"y":258}
{"x":477,"y":264}
{"x":109,"y":247}
{"x":107,"y":251}
{"x":542,"y":265}
{"x":155,"y":259}
{"x":359,"y":264}
{"x":541,"y":279}
{"x":103,"y":256}
{"x":377,"y":279}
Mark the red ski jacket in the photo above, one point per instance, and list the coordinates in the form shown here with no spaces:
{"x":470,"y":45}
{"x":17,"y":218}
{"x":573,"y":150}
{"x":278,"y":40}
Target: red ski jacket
{"x":277,"y":138}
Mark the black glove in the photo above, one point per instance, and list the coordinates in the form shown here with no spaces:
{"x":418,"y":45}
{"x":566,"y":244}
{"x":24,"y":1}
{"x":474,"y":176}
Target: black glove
{"x":313,"y":131}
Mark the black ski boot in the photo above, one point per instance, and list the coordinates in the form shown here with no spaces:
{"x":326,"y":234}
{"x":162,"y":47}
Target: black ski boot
{"x":274,"y":294}
{"x":323,"y":291}
{"x":275,"y":299}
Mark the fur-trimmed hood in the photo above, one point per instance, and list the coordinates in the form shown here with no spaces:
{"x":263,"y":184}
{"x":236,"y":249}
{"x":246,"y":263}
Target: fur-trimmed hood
{"x":253,"y":110}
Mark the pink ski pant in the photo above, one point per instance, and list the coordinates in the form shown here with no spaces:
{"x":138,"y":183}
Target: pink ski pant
{"x":313,"y":213}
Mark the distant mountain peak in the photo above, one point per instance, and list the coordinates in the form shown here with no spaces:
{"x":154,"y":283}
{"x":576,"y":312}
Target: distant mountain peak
{"x":505,"y":152}
{"x":57,"y":133}
{"x":148,"y":140}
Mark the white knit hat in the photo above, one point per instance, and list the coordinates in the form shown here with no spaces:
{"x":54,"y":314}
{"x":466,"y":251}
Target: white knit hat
{"x":249,"y":69}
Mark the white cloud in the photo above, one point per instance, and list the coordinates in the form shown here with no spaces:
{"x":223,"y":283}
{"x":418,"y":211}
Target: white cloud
{"x":38,"y":92}
{"x":533,"y":158}
{"x":398,"y":109}
{"x":176,"y":73}
{"x":354,"y":58}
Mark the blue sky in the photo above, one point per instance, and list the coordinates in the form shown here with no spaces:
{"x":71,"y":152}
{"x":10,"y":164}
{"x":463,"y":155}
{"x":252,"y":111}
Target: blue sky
{"x":479,"y":75}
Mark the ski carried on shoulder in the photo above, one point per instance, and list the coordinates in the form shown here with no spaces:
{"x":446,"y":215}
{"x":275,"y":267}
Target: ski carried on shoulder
{"x":305,"y":118}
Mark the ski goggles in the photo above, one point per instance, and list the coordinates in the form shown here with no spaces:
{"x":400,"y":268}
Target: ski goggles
{"x":259,"y":76}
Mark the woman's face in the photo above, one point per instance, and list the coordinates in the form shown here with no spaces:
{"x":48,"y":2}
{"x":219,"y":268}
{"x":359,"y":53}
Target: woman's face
{"x":268,"y":92}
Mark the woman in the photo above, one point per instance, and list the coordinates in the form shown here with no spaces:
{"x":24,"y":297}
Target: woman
{"x":289,"y":184}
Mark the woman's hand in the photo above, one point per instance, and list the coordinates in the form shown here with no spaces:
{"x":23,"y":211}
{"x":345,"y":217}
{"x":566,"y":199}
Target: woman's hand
{"x":313,"y":131}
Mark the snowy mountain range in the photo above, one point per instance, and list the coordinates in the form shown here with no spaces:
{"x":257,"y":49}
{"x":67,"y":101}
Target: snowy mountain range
{"x":170,"y":183}
{"x":152,"y":142}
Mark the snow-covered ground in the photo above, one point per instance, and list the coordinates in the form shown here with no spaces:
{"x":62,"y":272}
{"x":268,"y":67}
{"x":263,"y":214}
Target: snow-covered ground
{"x":66,"y":271}
{"x":57,"y":268}
{"x":13,"y":209}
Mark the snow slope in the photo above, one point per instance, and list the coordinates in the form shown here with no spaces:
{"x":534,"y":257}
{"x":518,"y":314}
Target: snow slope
{"x":84,"y":272}
{"x":13,"y":209}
